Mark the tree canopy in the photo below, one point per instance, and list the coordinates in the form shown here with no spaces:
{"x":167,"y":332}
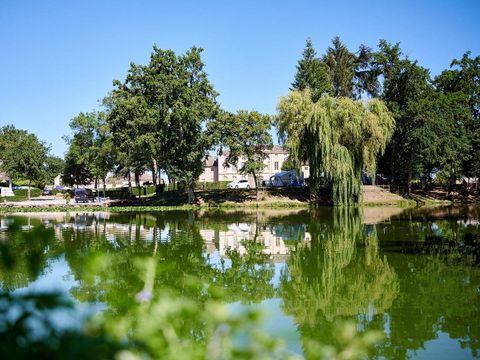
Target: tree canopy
{"x":24,"y":156}
{"x":159,"y":114}
{"x":338,"y":136}
{"x":246,"y":135}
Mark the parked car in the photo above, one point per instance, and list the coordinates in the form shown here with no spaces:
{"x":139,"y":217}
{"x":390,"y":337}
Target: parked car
{"x":238,"y":184}
{"x":82,"y":195}
{"x":286,"y":178}
{"x":46,"y":192}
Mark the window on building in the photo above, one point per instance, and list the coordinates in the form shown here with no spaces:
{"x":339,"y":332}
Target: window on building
{"x":276,"y":165}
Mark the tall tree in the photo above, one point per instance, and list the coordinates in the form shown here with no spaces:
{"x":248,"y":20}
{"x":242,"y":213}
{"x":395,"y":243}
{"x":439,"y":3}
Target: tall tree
{"x":54,"y":167}
{"x":90,"y":155}
{"x":442,"y":135}
{"x":23,"y":155}
{"x":351,"y":74}
{"x":405,"y":85}
{"x":464,"y":77}
{"x":193,"y":108}
{"x":312,"y":73}
{"x":166,"y":105}
{"x":247,"y":137}
{"x":341,"y":137}
{"x":129,"y":120}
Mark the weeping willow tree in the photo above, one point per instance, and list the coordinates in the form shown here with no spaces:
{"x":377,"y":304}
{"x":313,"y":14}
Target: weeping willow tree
{"x":339,"y":137}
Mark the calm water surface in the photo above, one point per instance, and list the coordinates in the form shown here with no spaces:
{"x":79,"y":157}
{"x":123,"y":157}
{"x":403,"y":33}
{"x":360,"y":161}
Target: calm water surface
{"x":412,"y":274}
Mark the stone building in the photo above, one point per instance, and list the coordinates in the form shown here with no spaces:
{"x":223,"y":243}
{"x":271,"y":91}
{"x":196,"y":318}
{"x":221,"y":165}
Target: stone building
{"x":215,"y":169}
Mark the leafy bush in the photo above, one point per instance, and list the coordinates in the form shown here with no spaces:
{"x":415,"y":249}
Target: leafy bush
{"x":211,"y":185}
{"x":22,"y":195}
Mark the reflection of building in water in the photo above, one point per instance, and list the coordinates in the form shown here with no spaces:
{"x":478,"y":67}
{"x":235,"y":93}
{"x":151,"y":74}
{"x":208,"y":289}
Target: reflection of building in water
{"x":277,"y":239}
{"x":97,"y":223}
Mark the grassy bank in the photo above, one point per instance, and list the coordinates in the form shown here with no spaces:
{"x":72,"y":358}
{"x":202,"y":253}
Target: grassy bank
{"x":218,"y":199}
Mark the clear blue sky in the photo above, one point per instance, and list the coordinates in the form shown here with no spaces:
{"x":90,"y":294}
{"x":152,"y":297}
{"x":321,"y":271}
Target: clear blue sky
{"x":58,"y":58}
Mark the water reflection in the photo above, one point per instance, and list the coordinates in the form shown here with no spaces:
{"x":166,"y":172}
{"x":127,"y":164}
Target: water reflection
{"x":413,"y":276}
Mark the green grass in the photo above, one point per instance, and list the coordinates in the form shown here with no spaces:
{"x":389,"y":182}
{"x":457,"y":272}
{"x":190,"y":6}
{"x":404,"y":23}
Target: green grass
{"x":22,"y":195}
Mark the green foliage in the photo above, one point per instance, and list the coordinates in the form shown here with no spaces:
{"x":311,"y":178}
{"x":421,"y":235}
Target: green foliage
{"x":21,"y":195}
{"x":246,"y":135}
{"x":212,"y":185}
{"x":90,"y":155}
{"x":464,"y":78}
{"x":289,"y":164}
{"x":312,"y":73}
{"x":338,"y":136}
{"x":158,"y":115}
{"x":351,"y":74}
{"x":431,"y":125}
{"x":54,"y":167}
{"x":23,"y":155}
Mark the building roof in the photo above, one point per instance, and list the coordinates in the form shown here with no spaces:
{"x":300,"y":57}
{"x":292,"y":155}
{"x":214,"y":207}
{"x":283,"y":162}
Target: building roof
{"x":277,"y":149}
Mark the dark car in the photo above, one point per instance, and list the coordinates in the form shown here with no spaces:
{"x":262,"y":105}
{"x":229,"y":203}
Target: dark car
{"x":82,"y":195}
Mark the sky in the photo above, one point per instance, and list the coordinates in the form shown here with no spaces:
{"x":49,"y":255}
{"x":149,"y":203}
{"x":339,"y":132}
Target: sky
{"x":58,"y":58}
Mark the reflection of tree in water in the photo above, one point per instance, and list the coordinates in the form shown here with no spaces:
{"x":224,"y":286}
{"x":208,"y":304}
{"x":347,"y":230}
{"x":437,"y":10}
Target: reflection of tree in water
{"x":107,"y":265}
{"x":338,"y":275}
{"x":25,"y":254}
{"x":248,"y":279}
{"x":440,"y":278}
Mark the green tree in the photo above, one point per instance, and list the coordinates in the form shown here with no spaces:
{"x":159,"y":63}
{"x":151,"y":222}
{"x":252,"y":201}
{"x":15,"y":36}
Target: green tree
{"x":340,"y":137}
{"x":464,"y":77}
{"x":289,"y":164}
{"x":166,"y":106}
{"x":89,"y":156}
{"x":54,"y":167}
{"x":351,"y":73}
{"x":247,"y":138}
{"x":24,"y":156}
{"x":312,"y":73}
{"x":442,"y":134}
{"x":129,"y":121}
{"x":405,"y":85}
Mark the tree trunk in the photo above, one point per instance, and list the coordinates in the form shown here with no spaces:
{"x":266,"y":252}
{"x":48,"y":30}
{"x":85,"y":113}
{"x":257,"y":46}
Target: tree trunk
{"x":104,"y":188}
{"x":137,"y":183}
{"x":191,"y":194}
{"x":451,"y":182}
{"x":129,"y":184}
{"x":96,"y":189}
{"x":409,"y":182}
{"x":154,"y":172}
{"x":255,"y":184}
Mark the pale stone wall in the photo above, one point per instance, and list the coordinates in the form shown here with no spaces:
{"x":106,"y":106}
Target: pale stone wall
{"x":273,"y":164}
{"x":208,"y":174}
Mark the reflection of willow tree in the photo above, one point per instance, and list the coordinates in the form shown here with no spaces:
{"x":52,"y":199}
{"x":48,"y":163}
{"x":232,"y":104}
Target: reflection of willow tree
{"x":25,"y":253}
{"x":338,"y":275}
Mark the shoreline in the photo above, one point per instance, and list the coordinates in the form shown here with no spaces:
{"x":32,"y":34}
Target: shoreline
{"x":229,"y":200}
{"x":205,"y":207}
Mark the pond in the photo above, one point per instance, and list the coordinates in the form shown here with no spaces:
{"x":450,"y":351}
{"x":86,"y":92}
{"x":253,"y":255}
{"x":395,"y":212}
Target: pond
{"x":410,"y":275}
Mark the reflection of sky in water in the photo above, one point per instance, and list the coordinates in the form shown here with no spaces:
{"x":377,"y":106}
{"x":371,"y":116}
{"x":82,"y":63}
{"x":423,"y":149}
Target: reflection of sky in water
{"x":57,"y":278}
{"x":275,"y":323}
{"x":443,"y":347}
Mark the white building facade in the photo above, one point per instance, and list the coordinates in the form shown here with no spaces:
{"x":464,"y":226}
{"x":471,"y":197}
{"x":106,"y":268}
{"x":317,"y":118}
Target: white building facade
{"x":216,"y":170}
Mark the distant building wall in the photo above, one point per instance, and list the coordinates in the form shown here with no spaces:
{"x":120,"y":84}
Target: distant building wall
{"x":217,"y":170}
